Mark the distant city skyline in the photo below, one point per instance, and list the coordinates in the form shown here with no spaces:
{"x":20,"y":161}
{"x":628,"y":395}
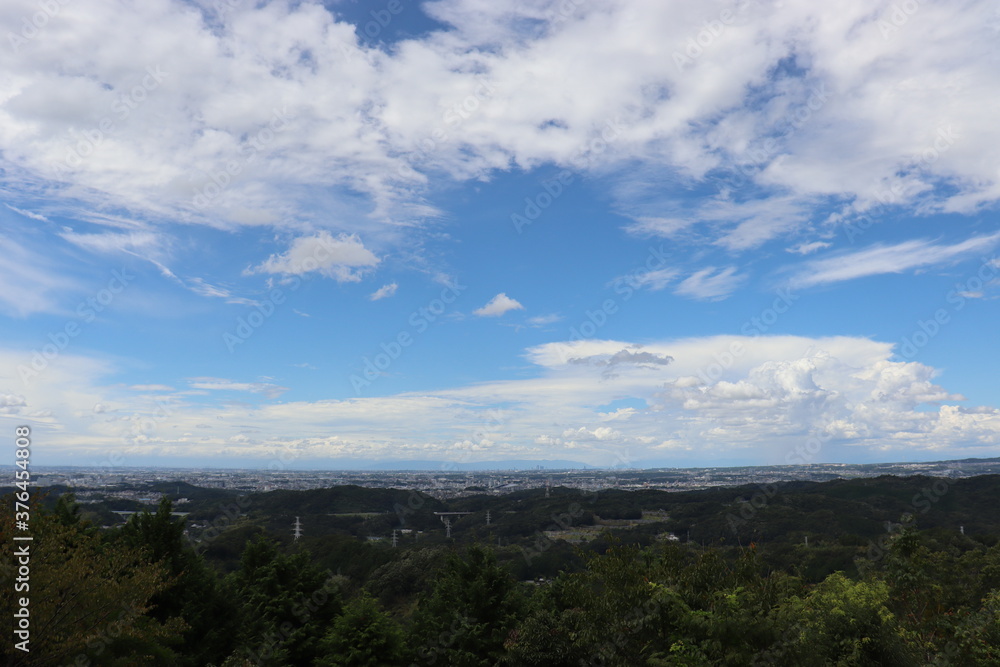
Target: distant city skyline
{"x":636,"y":233}
{"x":138,"y":483}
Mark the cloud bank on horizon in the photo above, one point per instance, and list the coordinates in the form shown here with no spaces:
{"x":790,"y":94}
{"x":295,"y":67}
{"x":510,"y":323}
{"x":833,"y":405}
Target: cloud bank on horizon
{"x":620,"y":233}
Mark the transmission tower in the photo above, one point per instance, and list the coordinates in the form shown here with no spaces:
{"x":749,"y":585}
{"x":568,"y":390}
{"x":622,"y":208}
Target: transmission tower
{"x":298,"y":529}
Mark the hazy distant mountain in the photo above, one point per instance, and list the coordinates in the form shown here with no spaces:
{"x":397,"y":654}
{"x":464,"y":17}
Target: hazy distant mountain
{"x":445,"y":466}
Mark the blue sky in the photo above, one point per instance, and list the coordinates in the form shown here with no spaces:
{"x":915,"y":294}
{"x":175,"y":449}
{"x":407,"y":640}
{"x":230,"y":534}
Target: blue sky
{"x":626,"y":234}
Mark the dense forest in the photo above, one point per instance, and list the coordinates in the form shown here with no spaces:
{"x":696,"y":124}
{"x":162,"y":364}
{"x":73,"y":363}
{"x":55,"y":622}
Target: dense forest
{"x":883,"y":571}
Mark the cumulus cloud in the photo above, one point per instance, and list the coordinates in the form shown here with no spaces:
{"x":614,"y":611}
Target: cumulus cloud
{"x":343,"y":258}
{"x":626,"y":357}
{"x":497,"y":306}
{"x":267,"y":106}
{"x":772,"y":395}
{"x":11,"y":404}
{"x":383,"y":292}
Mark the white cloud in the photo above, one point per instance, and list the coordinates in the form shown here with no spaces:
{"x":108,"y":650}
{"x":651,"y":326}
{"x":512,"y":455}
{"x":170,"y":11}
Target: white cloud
{"x":808,"y":248}
{"x":115,"y":242}
{"x":28,"y":214}
{"x":384,"y":291}
{"x":269,"y":390}
{"x":635,"y":356}
{"x":31,"y":281}
{"x":338,"y":258}
{"x":770,"y":397}
{"x":656,"y":279}
{"x":11,"y":404}
{"x":497,"y":306}
{"x":709,"y":284}
{"x":202,"y":288}
{"x":544,"y":320}
{"x":880,"y":259}
{"x":269,"y":109}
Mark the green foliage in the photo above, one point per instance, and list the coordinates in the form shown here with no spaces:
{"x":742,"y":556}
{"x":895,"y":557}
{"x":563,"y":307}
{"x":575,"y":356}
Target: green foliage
{"x":468,"y":615}
{"x":405,"y":577}
{"x":843,"y":622}
{"x":195,"y":594}
{"x":287,"y":604}
{"x":89,"y":598}
{"x":856,"y":595}
{"x":362,"y":636}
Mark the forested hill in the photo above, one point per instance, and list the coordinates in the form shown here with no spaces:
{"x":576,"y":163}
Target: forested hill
{"x":877,"y":571}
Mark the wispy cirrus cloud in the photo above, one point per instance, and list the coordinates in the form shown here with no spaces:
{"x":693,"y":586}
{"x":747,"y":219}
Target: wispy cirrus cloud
{"x":383,"y":292}
{"x":808,"y":248}
{"x":28,"y":214}
{"x":882,"y":259}
{"x":710,"y":284}
{"x":268,"y":389}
